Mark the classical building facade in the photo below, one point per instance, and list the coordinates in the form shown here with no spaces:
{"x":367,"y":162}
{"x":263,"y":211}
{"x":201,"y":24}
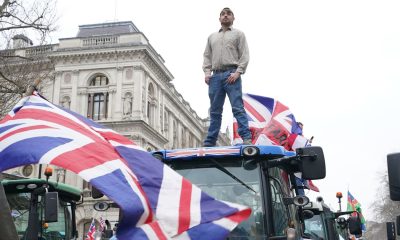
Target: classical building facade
{"x":110,"y":73}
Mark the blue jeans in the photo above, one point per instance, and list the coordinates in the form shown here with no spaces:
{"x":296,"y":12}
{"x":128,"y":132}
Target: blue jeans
{"x":218,"y":88}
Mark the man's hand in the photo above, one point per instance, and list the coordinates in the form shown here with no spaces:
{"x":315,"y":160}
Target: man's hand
{"x":207,"y":79}
{"x":233,"y":77}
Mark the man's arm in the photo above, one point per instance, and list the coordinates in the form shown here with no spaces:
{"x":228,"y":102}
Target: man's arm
{"x":207,"y":59}
{"x":244,"y":55}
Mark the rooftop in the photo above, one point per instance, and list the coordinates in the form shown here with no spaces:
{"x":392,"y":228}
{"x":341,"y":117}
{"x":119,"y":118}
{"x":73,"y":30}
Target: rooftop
{"x":111,"y":28}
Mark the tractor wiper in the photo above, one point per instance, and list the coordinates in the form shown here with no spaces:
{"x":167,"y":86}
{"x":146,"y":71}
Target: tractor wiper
{"x":223,"y":169}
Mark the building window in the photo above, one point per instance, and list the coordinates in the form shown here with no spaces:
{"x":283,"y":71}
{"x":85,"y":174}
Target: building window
{"x":98,"y":98}
{"x":98,"y":106}
{"x":183,"y":138}
{"x":191,"y":141}
{"x":151,"y":105}
{"x":175,"y":135}
{"x":166,"y":124}
{"x":99,"y":80}
{"x":87,"y":189}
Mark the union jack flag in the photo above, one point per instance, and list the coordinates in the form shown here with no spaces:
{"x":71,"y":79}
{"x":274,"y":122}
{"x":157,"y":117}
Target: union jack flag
{"x":102,"y":224}
{"x":157,"y":203}
{"x":91,"y":231}
{"x":201,"y":152}
{"x":272,"y":123}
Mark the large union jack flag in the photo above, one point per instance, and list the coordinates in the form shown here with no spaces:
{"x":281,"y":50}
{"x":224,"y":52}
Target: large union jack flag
{"x":272,"y":123}
{"x":157,"y":202}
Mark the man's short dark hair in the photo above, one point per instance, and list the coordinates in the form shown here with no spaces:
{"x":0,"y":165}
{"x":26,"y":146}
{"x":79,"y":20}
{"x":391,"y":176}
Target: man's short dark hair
{"x":228,"y":10}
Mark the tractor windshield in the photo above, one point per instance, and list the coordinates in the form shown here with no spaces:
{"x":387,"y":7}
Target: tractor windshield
{"x":228,"y":180}
{"x":315,"y":228}
{"x":19,"y":205}
{"x":26,"y":198}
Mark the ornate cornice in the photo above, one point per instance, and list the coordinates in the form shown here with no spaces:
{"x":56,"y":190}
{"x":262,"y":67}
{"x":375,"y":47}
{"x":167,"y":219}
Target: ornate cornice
{"x":111,"y":56}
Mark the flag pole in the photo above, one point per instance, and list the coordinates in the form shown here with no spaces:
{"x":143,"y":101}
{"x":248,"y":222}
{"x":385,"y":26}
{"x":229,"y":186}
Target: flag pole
{"x":28,"y":92}
{"x":31,"y":88}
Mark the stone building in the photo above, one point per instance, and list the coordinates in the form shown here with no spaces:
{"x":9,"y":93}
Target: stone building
{"x":110,"y":73}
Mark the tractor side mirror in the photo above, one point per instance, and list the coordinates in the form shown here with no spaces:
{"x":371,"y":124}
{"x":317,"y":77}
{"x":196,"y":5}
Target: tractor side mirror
{"x":308,"y":214}
{"x":312,"y":163}
{"x":398,"y":225}
{"x":51,"y":207}
{"x":355,"y":225}
{"x":393,"y":164}
{"x":390,"y":231}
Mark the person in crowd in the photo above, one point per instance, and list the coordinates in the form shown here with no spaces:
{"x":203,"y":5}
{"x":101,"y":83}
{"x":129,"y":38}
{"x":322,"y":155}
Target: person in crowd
{"x":225,"y":59}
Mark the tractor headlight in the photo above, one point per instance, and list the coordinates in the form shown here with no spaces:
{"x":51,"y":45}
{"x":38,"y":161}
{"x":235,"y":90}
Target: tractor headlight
{"x":250,"y":151}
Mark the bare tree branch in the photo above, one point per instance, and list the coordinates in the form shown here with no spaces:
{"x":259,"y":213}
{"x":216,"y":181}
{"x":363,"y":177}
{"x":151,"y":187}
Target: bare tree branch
{"x":20,"y":19}
{"x":385,"y":210}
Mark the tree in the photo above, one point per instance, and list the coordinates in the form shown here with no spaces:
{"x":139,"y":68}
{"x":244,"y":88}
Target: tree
{"x":18,"y":19}
{"x":385,"y":210}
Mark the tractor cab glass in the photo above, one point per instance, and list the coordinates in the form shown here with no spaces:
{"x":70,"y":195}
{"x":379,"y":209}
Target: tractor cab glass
{"x":36,"y":215}
{"x":229,"y":180}
{"x":315,"y":227}
{"x":208,"y":176}
{"x":19,"y":205}
{"x":253,"y":176}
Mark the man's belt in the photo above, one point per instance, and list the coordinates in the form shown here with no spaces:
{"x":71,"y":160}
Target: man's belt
{"x":225,"y":68}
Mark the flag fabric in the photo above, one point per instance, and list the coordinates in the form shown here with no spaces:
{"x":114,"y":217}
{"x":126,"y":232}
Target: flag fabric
{"x":354,"y":205}
{"x":102,"y":224}
{"x":305,"y":184}
{"x":91,"y":231}
{"x":157,"y":203}
{"x":272,"y":123}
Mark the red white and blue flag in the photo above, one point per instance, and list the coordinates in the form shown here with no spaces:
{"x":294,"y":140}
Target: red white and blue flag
{"x":157,"y":203}
{"x":272,"y":123}
{"x":91,"y":231}
{"x":102,"y":224}
{"x":201,"y":152}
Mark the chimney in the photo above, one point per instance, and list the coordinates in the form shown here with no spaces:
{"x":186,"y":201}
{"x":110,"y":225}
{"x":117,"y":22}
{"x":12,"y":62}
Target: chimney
{"x":21,"y":41}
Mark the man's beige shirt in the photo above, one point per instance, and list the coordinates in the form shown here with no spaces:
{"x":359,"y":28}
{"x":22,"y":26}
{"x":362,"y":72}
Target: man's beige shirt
{"x":226,"y":49}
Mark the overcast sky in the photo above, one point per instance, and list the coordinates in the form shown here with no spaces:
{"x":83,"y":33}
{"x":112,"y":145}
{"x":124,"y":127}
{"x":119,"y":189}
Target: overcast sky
{"x":335,"y":64}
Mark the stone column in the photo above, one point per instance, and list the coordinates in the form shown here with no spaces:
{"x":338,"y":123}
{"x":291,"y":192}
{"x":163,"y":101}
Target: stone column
{"x":112,"y":103}
{"x":57,"y":88}
{"x":139,"y":81}
{"x":83,"y":99}
{"x":117,"y":107}
{"x":74,"y":90}
{"x":159,"y":112}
